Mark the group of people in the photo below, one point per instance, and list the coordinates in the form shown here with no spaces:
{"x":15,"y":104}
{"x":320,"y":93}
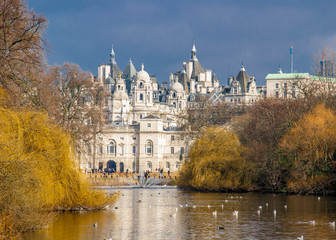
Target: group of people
{"x":160,"y":171}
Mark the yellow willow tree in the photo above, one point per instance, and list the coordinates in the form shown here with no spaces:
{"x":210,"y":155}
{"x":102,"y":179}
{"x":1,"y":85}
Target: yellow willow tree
{"x":311,"y":145}
{"x":37,"y":172}
{"x":216,"y":163}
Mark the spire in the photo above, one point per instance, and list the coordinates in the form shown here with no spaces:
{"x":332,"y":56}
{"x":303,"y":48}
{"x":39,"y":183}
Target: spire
{"x":112,"y":56}
{"x":280,"y":71}
{"x":242,"y":67}
{"x":193,"y":51}
{"x":142,"y":67}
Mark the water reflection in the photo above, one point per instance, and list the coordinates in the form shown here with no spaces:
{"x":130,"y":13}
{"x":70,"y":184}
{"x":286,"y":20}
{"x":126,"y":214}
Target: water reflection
{"x":170,"y":213}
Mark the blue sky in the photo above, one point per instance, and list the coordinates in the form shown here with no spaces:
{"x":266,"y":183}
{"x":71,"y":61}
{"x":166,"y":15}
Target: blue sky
{"x":160,"y":33}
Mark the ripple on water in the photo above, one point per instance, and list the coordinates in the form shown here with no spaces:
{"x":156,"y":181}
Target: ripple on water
{"x":152,"y":218}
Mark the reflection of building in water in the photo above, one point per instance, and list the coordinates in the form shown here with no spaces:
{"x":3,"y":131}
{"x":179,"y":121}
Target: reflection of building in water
{"x":141,"y":131}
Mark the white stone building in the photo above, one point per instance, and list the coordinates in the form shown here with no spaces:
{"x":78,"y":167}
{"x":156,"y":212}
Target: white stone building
{"x":141,"y":130}
{"x":242,"y":89}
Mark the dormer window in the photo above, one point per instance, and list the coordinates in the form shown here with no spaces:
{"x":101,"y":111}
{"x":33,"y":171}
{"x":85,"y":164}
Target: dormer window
{"x":140,"y":85}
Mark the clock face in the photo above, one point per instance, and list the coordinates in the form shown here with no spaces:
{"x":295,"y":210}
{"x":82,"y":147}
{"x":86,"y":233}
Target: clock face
{"x":117,"y":105}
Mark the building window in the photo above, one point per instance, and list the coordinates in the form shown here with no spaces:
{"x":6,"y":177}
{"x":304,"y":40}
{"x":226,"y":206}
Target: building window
{"x":121,"y":138}
{"x":149,"y":125}
{"x":112,"y":148}
{"x":168,"y":165}
{"x":141,"y":97}
{"x":149,"y":147}
{"x":182,"y":150}
{"x":285,"y":85}
{"x":134,"y":149}
{"x":172,"y":150}
{"x":285,"y":94}
{"x":140,"y":85}
{"x":134,"y":138}
{"x":277,"y":85}
{"x":140,"y":116}
{"x":121,"y":149}
{"x":100,"y":149}
{"x":276,"y":94}
{"x":172,"y":137}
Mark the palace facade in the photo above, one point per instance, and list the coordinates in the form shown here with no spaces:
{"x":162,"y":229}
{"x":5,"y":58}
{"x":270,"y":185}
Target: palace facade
{"x":141,"y":130}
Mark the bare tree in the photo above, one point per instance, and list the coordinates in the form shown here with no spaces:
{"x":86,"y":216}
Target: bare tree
{"x":22,"y":50}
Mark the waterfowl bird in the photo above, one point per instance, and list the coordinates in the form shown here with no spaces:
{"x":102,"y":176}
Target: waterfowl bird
{"x":208,"y":206}
{"x":266,"y":204}
{"x":258,"y":213}
{"x":332,"y":224}
{"x":274,"y":212}
{"x":214,"y":213}
{"x":260,"y":207}
{"x":95,"y":224}
{"x":300,"y":238}
{"x":285,"y":207}
{"x":226,"y":201}
{"x":221,"y":228}
{"x":319,"y":198}
{"x":194,"y":206}
{"x":139,"y":201}
{"x":176,"y":209}
{"x":222,"y":206}
{"x":235,"y":213}
{"x":312,"y":222}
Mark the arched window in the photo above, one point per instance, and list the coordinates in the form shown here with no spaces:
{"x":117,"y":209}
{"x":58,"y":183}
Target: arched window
{"x":140,"y":85}
{"x":141,"y":97}
{"x":174,"y":94}
{"x":112,"y":147}
{"x":149,"y":147}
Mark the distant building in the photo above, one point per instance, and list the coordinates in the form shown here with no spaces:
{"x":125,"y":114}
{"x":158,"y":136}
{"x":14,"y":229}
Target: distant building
{"x":141,"y":131}
{"x":242,"y":89}
{"x":292,"y":85}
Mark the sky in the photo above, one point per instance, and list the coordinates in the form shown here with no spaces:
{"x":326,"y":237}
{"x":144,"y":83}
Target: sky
{"x":160,"y":34}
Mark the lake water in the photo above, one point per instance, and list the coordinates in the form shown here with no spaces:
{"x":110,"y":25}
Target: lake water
{"x":171,"y":213}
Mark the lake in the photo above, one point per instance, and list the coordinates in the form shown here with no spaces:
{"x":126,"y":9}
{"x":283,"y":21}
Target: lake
{"x":172,"y":213}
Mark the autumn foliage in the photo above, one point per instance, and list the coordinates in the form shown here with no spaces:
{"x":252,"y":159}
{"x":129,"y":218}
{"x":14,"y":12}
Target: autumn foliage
{"x":216,"y":162}
{"x":311,"y":147}
{"x":37,"y":172}
{"x":285,"y":145}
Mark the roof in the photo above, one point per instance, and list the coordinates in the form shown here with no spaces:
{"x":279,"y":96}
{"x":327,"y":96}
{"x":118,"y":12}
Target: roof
{"x":151,"y":117}
{"x":115,"y":70}
{"x":197,"y":68}
{"x":274,"y":76}
{"x":243,"y":79}
{"x":183,"y":79}
{"x":129,"y":71}
{"x":214,"y":78}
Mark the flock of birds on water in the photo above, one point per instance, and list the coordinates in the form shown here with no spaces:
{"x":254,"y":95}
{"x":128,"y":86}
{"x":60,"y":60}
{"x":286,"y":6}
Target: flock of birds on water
{"x":234,"y":214}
